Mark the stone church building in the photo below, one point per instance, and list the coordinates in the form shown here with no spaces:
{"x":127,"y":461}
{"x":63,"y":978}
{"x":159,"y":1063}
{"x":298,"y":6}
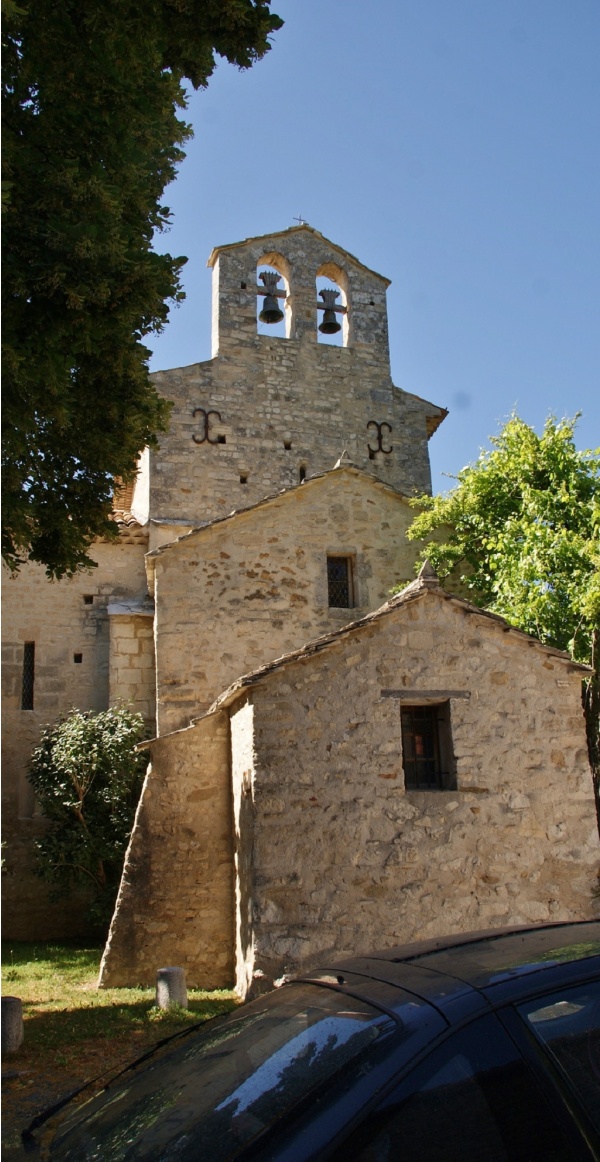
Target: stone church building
{"x":330,"y":769}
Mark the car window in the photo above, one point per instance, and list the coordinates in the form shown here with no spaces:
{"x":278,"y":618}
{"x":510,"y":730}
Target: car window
{"x":472,"y":1100}
{"x":219,"y":1089}
{"x":567,"y":1023}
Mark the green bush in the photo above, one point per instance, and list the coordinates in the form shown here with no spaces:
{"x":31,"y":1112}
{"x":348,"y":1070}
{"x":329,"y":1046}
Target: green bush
{"x":87,"y":776}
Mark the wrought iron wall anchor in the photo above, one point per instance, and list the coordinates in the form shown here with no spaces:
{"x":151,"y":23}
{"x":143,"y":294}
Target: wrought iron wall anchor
{"x":380,"y":437}
{"x":205,"y":438}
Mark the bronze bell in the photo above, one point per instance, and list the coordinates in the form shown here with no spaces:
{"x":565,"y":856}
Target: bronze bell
{"x":329,"y":325}
{"x":271,"y":311}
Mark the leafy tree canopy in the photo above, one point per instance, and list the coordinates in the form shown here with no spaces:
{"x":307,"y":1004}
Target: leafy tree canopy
{"x":87,"y":776}
{"x":521,"y":530}
{"x":91,"y":133}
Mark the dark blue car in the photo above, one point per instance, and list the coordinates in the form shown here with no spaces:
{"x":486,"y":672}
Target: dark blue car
{"x":479,"y":1048}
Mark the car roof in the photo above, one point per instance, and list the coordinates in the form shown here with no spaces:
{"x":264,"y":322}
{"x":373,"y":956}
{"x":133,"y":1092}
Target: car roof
{"x":451,"y":972}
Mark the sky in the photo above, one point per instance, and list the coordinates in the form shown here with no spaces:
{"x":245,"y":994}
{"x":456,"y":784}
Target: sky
{"x":452,"y":146}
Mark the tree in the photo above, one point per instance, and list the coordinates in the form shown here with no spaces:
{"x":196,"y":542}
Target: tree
{"x":91,"y":138}
{"x":87,"y":776}
{"x":521,"y":533}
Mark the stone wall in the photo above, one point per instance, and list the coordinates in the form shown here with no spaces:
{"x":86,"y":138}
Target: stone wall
{"x":132,"y":674}
{"x":281,"y":405}
{"x":249,"y":589}
{"x":67,"y":620}
{"x":175,"y":903}
{"x":345,"y":859}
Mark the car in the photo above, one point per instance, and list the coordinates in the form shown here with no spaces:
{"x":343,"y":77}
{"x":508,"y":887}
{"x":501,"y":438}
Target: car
{"x":483,"y":1047}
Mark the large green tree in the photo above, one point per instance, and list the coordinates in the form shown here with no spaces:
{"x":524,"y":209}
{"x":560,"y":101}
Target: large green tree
{"x":91,"y":137}
{"x":520,"y":533}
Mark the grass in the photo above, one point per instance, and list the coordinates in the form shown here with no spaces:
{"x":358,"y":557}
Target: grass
{"x":74,"y":1031}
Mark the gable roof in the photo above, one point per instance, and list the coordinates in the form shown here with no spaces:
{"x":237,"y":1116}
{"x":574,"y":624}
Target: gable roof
{"x":295,"y":230}
{"x":344,"y":465}
{"x":426,"y":582}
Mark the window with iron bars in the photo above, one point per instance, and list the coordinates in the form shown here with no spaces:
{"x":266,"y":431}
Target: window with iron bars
{"x":427,"y":754}
{"x":340,"y":587}
{"x":28,"y":677}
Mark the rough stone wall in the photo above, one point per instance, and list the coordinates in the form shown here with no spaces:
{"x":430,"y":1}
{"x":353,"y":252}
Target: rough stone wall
{"x":271,"y":392}
{"x":346,"y":859}
{"x":55,"y":616}
{"x":175,"y":903}
{"x":132,"y":674}
{"x":249,"y":589}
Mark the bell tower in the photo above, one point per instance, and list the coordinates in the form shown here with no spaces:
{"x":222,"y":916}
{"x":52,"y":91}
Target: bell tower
{"x":300,"y":373}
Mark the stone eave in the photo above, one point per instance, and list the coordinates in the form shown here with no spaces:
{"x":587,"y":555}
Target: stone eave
{"x":214,"y":254}
{"x":265,"y":501}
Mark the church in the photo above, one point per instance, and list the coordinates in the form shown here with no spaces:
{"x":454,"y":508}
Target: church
{"x":330,"y":768}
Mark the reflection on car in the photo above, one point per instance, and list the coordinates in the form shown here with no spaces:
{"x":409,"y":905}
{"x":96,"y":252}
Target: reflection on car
{"x":478,"y":1048}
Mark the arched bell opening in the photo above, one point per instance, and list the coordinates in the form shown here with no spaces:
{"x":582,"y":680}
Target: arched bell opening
{"x":273,"y":309}
{"x":332,"y":299}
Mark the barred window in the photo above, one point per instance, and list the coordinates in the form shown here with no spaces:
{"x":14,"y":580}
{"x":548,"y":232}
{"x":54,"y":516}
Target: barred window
{"x":28,"y":676}
{"x":340,"y":588}
{"x":427,"y":755}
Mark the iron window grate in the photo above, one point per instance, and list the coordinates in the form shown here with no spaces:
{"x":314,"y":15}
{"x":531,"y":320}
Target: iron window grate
{"x":339,"y":582}
{"x":28,"y":676}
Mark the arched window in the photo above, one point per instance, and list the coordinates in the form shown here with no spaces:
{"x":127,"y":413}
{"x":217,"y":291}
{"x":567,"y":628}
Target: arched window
{"x":273,"y":283}
{"x":333,"y":299}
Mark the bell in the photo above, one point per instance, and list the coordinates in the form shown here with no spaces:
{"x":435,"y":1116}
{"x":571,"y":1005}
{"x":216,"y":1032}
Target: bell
{"x":330,"y":325}
{"x":271,"y":312}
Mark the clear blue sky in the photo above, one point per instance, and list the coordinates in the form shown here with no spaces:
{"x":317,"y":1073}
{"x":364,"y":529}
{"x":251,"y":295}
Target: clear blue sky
{"x":451,"y":145}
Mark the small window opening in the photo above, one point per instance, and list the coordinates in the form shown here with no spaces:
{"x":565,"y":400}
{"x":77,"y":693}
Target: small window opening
{"x":340,"y":588}
{"x":427,"y":755}
{"x":78,"y":658}
{"x":302,"y":474}
{"x":287,"y":445}
{"x":243,"y":285}
{"x":88,"y":599}
{"x":243,"y":478}
{"x":28,"y":678}
{"x":221,"y":439}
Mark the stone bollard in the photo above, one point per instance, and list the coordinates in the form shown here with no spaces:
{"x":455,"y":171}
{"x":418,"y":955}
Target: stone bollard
{"x":170,"y":988}
{"x":12,"y":1024}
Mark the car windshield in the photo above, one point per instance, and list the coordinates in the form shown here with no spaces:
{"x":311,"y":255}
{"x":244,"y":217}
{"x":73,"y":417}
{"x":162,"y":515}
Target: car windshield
{"x":221,"y":1087}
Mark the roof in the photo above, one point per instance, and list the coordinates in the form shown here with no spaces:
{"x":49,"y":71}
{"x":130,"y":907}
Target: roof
{"x":426,"y":582}
{"x":344,"y":464}
{"x":295,"y":230}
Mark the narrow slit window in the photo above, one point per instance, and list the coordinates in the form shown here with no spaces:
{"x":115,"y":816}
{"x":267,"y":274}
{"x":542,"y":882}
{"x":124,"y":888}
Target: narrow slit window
{"x":340,"y":589}
{"x":427,"y":755}
{"x":302,"y":474}
{"x":243,"y":478}
{"x":28,"y":676}
{"x":78,"y":658}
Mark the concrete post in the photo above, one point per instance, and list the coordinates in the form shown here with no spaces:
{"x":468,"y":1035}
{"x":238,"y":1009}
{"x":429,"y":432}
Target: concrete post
{"x":170,"y":988}
{"x":12,"y":1024}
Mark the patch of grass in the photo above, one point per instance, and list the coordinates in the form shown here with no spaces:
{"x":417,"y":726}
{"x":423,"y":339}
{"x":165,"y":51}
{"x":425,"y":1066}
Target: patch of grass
{"x":74,"y":1031}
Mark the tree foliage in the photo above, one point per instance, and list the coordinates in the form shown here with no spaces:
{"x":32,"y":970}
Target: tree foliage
{"x":92,"y":136}
{"x":521,"y":530}
{"x":87,"y":776}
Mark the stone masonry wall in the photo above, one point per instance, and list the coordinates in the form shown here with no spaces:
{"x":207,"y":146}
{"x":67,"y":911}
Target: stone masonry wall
{"x":347,"y":860}
{"x":246,"y":590}
{"x":63,"y":626}
{"x":281,"y":405}
{"x":132,"y":677}
{"x":175,"y":903}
